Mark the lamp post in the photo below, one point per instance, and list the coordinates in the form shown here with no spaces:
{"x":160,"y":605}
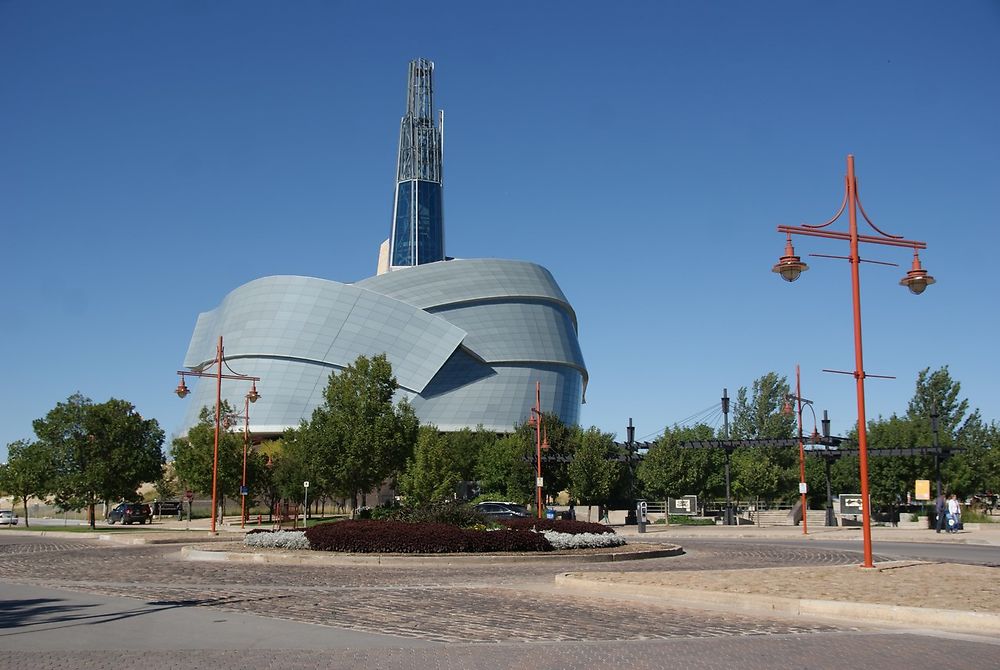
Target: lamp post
{"x":728,"y":517}
{"x":831,"y":518}
{"x":182,"y":391}
{"x":937,"y":448}
{"x":251,"y":397}
{"x":536,"y":419}
{"x":789,"y":266}
{"x":803,"y":487}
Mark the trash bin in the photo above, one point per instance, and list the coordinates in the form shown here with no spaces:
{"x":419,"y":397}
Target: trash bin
{"x":550,"y":514}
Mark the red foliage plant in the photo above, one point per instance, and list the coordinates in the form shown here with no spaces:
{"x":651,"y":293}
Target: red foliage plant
{"x":397,"y":537}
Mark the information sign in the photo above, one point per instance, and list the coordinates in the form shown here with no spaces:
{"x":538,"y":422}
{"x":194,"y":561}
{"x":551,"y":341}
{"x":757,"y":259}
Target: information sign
{"x":685,"y":505}
{"x":850,"y":503}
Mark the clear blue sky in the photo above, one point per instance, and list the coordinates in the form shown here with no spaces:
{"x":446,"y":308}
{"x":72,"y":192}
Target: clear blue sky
{"x":156,"y":155}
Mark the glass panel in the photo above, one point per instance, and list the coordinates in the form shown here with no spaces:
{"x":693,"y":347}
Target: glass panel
{"x":430,"y":230}
{"x":402,"y":252}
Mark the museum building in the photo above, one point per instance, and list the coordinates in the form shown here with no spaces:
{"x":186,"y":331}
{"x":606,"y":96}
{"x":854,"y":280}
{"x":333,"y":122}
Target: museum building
{"x":467,"y":338}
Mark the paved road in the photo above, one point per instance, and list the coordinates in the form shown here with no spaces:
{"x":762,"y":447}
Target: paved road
{"x":83,"y":604}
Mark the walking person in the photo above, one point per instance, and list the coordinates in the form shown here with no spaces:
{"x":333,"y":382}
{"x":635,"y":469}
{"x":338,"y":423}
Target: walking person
{"x":940,"y":508}
{"x":954,"y":514}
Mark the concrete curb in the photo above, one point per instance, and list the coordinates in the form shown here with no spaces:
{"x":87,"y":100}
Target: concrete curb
{"x":169,"y":537}
{"x":326,"y":558}
{"x":852,"y":612}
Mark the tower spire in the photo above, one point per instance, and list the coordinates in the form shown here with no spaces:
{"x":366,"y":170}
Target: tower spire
{"x":418,"y":215}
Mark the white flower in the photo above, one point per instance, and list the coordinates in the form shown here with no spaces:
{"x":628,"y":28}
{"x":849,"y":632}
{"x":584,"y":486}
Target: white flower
{"x":582,"y":540}
{"x":279,"y":539}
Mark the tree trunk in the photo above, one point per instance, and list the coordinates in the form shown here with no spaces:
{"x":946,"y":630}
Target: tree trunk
{"x":24,"y":501}
{"x":90,"y":510}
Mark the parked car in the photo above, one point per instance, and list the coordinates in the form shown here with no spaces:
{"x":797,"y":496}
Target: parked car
{"x":501,"y":510}
{"x":8,"y":518}
{"x":129,"y":513}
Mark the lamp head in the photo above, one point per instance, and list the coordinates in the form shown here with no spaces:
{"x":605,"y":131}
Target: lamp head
{"x":789,"y":266}
{"x":787,"y":407}
{"x":252,"y":396}
{"x":182,"y":390}
{"x":917,"y":279}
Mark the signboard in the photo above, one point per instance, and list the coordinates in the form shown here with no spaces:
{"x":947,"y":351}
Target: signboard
{"x":803,"y":488}
{"x":850,"y":503}
{"x":685,"y":505}
{"x":244,"y":490}
{"x":539,"y":482}
{"x":305,"y":484}
{"x":189,"y":494}
{"x":923,"y":489}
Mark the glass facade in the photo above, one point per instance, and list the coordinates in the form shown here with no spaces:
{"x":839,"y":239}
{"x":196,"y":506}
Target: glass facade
{"x":467,"y":340}
{"x":418,"y":227}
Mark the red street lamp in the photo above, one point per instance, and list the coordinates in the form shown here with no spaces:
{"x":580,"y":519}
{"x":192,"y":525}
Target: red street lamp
{"x":787,"y":409}
{"x":540,"y":444}
{"x":182,"y":391}
{"x":251,"y":397}
{"x":789,"y":266}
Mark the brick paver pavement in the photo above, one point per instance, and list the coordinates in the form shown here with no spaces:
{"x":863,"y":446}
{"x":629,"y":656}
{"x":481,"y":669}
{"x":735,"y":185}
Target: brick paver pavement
{"x":499,"y":616}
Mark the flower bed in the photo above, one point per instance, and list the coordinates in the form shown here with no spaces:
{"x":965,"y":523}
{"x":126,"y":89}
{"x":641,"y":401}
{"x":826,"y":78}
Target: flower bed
{"x":569,"y":527}
{"x":278,"y":539}
{"x":399,"y":537}
{"x":419,"y":538}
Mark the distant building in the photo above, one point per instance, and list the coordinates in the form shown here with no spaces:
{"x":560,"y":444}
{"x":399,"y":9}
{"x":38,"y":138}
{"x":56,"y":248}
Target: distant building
{"x":467,"y":339}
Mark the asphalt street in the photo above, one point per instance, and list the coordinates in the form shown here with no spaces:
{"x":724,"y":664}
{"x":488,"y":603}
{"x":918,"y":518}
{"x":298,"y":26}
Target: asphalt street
{"x":69,"y":603}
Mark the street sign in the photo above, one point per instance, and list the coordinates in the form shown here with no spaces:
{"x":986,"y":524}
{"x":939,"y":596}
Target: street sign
{"x":305,"y":484}
{"x":189,"y":494}
{"x":850,"y":503}
{"x":923,"y":489}
{"x":244,"y":490}
{"x":539,"y":482}
{"x":686,"y":505}
{"x":803,"y":488}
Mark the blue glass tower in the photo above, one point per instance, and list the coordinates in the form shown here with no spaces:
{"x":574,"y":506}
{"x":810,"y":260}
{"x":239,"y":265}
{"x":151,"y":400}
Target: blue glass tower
{"x":418,"y":213}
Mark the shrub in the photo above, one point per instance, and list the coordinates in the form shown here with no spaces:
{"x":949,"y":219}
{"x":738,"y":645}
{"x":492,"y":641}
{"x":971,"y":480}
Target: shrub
{"x":419,"y":538}
{"x":569,"y":527}
{"x":454,"y":513}
{"x":279,"y":539}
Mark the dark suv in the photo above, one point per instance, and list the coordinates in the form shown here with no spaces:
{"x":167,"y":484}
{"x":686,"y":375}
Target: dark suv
{"x":129,"y":513}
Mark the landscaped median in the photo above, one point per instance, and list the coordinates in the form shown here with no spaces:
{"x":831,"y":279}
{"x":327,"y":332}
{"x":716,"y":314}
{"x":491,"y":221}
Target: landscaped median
{"x":391,"y":541}
{"x":913,"y":594}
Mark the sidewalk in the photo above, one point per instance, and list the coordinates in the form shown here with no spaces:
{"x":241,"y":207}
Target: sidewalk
{"x":905,"y":593}
{"x":986,"y":533}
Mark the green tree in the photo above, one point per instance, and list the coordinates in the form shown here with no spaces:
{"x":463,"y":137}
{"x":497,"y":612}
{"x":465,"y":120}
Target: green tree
{"x":759,"y":415}
{"x":505,"y":469}
{"x":27,"y":472}
{"x":670,"y":471}
{"x":100,"y":452}
{"x":432,"y":473}
{"x":595,"y":468}
{"x":359,"y":436}
{"x":194,"y":455}
{"x":464,"y":446}
{"x":764,"y":472}
{"x":562,"y":441}
{"x":937,"y":390}
{"x":757,"y":475}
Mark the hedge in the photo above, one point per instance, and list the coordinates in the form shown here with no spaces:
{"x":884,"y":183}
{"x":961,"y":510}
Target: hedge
{"x":398,"y":537}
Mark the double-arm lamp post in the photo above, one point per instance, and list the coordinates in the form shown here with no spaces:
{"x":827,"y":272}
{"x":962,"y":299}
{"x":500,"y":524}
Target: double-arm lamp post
{"x":789,"y":266}
{"x":540,"y":443}
{"x":800,"y":401}
{"x":182,"y":391}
